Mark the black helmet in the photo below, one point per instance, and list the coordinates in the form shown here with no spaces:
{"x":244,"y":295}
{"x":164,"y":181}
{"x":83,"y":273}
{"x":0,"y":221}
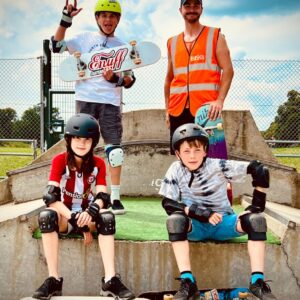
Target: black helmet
{"x":189,"y":131}
{"x":83,"y":125}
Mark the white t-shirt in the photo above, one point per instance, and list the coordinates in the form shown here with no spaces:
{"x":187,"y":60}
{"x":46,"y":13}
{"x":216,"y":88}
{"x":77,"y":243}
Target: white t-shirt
{"x":209,"y":186}
{"x":95,"y":89}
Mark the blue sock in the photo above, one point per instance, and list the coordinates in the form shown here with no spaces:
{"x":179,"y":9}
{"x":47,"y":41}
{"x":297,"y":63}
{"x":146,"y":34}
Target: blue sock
{"x":187,"y":274}
{"x":257,"y":275}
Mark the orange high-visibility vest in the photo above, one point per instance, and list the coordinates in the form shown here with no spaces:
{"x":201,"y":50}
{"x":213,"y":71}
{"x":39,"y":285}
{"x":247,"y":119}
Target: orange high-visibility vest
{"x":196,"y":74}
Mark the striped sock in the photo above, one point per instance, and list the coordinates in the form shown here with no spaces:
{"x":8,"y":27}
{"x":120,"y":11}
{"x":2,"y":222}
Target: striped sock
{"x":187,"y":274}
{"x":257,"y":275}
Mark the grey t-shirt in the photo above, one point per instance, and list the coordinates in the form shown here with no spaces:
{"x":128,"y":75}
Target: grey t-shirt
{"x":209,"y":186}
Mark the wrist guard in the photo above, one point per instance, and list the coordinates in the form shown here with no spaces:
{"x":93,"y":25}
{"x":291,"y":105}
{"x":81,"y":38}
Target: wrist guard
{"x":260,"y":174}
{"x":131,"y":83}
{"x":258,"y":202}
{"x":73,"y":222}
{"x":118,"y":80}
{"x":171,"y":206}
{"x":66,"y":19}
{"x":93,"y":210}
{"x":199,"y":214}
{"x":51,"y":194}
{"x":105,"y":199}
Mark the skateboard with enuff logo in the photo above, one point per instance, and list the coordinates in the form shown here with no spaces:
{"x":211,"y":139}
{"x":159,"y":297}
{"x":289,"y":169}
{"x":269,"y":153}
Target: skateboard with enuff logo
{"x":81,"y":66}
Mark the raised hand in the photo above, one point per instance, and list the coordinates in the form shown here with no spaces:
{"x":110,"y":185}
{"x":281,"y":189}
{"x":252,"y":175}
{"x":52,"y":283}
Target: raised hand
{"x":69,"y":11}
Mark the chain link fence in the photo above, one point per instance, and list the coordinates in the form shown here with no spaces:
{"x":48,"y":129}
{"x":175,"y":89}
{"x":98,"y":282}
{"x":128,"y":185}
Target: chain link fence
{"x":269,"y":89}
{"x":20,"y":93}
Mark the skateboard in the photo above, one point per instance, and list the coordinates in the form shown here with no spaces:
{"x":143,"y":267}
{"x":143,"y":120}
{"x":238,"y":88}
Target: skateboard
{"x":134,"y":55}
{"x":221,"y":294}
{"x":217,"y":142}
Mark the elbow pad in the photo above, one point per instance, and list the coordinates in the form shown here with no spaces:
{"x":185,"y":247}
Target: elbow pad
{"x":199,"y":214}
{"x":171,"y":206}
{"x":57,"y":46}
{"x":260,"y":174}
{"x":51,"y":194}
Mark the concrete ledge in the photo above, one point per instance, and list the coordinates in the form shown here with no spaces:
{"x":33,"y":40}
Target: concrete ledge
{"x":27,"y":184}
{"x":5,"y":193}
{"x":78,"y":298}
{"x":144,"y":266}
{"x":280,"y":217}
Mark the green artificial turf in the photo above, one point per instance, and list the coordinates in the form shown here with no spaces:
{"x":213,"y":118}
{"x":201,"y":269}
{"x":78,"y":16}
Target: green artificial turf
{"x":145,"y":220}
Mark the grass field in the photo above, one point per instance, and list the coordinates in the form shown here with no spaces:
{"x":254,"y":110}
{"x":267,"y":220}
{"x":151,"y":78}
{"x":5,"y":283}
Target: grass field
{"x":145,"y":220}
{"x":289,"y":161}
{"x":9,"y":163}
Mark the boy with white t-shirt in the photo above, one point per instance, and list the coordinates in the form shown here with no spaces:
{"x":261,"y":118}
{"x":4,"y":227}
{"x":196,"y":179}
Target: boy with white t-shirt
{"x":101,"y":96}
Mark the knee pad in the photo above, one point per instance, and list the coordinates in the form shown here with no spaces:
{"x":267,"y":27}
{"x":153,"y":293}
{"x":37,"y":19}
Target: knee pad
{"x":177,"y":226}
{"x":255,"y":225}
{"x":106,"y":223}
{"x":114,"y":154}
{"x":48,"y":221}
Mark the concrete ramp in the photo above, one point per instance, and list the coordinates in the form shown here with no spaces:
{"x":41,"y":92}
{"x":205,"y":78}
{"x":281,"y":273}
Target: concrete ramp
{"x":146,"y":145}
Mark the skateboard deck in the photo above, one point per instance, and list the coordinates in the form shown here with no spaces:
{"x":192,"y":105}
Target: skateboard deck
{"x":82,"y":66}
{"x":215,"y":130}
{"x":221,"y":294}
{"x":217,"y":143}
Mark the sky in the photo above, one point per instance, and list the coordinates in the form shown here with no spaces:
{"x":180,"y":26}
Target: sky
{"x":263,"y":30}
{"x":254,"y":29}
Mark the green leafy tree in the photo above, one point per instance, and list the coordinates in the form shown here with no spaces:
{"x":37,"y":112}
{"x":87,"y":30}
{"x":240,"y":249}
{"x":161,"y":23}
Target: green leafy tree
{"x":28,"y":127}
{"x":7,"y":117}
{"x":288,"y":118}
{"x":286,"y":125}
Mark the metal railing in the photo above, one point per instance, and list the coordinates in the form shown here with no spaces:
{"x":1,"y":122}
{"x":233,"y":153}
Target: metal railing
{"x":273,"y":144}
{"x":33,"y":146}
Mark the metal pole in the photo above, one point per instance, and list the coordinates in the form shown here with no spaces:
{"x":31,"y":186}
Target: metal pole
{"x":42,"y":106}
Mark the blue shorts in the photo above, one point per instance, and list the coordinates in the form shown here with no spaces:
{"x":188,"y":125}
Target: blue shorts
{"x":223,"y":231}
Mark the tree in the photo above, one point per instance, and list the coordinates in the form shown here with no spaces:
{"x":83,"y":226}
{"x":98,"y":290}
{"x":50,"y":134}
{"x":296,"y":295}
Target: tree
{"x":29,"y":125}
{"x":7,"y":117}
{"x":286,"y":125}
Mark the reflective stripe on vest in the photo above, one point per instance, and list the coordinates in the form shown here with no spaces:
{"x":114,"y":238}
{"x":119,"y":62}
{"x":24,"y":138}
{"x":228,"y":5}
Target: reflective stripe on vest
{"x":188,"y":75}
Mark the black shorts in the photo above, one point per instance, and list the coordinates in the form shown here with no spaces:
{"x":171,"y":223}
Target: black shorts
{"x":109,"y":118}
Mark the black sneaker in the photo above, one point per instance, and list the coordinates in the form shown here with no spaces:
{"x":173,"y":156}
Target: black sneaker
{"x":50,"y":287}
{"x":115,"y":288}
{"x":118,"y":208}
{"x":187,"y":290}
{"x":261,"y":290}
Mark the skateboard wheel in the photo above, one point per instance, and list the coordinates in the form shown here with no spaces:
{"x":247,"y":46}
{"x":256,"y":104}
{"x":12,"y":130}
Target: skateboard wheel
{"x":168,"y":297}
{"x":81,"y":74}
{"x":137,"y":61}
{"x":77,"y":54}
{"x":243,"y":295}
{"x":132,"y":43}
{"x":219,"y":126}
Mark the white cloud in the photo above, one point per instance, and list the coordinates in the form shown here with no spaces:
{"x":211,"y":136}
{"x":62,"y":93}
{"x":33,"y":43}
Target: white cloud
{"x":262,"y":36}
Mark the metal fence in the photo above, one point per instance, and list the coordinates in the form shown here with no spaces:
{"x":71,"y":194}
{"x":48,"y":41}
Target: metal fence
{"x":261,"y":86}
{"x":20,"y":95}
